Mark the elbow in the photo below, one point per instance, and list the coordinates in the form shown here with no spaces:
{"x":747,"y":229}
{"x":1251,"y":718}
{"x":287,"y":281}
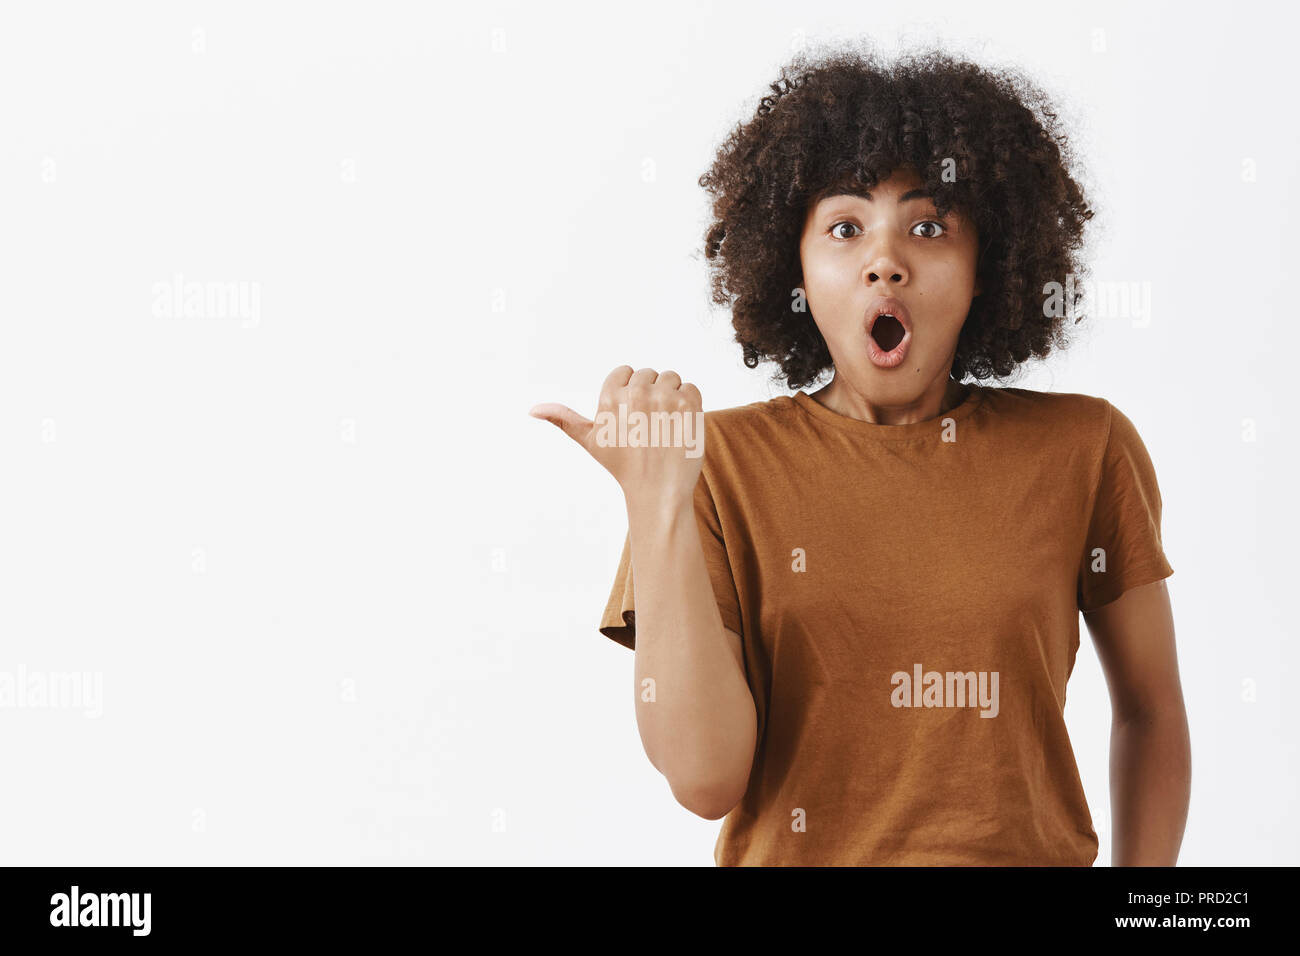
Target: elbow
{"x":711,"y":802}
{"x":1165,"y":708}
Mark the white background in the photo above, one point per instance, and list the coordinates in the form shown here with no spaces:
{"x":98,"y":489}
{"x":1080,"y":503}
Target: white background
{"x":340,"y":590}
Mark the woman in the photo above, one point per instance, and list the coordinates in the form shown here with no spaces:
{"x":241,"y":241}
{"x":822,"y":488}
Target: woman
{"x":854,"y":616}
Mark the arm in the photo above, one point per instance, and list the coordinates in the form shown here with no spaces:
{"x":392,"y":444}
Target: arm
{"x":1150,"y":750}
{"x":699,"y":729}
{"x":699,"y":726}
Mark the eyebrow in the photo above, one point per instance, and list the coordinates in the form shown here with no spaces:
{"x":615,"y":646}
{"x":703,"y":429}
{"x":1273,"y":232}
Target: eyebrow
{"x":860,"y":193}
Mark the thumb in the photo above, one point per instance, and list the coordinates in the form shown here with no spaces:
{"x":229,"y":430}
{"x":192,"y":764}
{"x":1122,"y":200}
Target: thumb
{"x":566,"y":419}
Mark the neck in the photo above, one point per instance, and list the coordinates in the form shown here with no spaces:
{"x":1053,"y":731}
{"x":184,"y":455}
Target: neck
{"x":844,"y":399}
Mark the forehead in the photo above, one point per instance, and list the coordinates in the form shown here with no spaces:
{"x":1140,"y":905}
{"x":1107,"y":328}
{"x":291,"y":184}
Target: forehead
{"x":904,"y":197}
{"x":904,"y":181}
{"x":879,"y":192}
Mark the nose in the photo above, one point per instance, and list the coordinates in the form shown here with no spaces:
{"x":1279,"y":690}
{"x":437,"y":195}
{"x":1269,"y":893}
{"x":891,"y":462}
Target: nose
{"x":886,"y":267}
{"x":885,"y":264}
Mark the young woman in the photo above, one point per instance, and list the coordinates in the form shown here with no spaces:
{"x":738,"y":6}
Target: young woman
{"x":854,"y":616}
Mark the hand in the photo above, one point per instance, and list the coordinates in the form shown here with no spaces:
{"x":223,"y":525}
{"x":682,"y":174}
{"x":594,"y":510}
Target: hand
{"x":666,"y":473}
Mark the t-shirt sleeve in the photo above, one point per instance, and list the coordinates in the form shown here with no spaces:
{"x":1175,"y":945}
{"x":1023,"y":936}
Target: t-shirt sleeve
{"x":618,"y":621}
{"x":1123,"y":548}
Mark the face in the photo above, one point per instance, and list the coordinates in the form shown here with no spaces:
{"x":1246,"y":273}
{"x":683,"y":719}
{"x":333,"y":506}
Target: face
{"x":856,"y":250}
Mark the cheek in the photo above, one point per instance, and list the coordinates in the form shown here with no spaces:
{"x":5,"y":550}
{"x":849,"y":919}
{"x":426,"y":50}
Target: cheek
{"x":955,"y":288}
{"x":819,"y":279}
{"x":829,"y":287}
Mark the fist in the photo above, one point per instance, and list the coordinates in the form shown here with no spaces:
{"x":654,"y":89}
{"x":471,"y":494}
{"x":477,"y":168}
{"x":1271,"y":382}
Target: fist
{"x":648,"y":433}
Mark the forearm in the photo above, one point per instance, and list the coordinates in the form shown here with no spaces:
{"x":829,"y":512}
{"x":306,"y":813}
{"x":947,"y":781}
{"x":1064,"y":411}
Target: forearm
{"x":697,"y":718}
{"x":1150,"y":786}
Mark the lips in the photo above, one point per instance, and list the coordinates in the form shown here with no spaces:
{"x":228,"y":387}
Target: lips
{"x":889,"y":332}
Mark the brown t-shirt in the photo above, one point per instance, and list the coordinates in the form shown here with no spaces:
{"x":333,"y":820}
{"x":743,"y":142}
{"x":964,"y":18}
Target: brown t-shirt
{"x":908,"y":598}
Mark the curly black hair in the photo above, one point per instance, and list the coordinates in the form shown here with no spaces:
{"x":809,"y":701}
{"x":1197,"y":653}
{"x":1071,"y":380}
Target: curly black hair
{"x":984,"y":142}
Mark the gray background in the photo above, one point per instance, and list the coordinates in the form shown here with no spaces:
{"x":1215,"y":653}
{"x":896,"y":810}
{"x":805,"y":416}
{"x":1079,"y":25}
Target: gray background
{"x":333,"y":594}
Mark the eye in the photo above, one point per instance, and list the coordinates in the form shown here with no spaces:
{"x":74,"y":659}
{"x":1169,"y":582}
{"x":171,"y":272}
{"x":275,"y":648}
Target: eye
{"x":942,"y":229}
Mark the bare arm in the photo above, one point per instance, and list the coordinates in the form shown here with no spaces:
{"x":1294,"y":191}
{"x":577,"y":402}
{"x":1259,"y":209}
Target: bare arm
{"x":1150,"y":749}
{"x":694,"y":709}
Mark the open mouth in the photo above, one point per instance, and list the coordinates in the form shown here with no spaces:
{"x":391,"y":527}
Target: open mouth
{"x":888,"y":332}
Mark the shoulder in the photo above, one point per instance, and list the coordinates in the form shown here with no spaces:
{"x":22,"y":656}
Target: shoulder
{"x":1068,"y":409}
{"x":742,"y":438}
{"x":1084,"y":421}
{"x":1088,"y":423}
{"x":756,"y":419}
